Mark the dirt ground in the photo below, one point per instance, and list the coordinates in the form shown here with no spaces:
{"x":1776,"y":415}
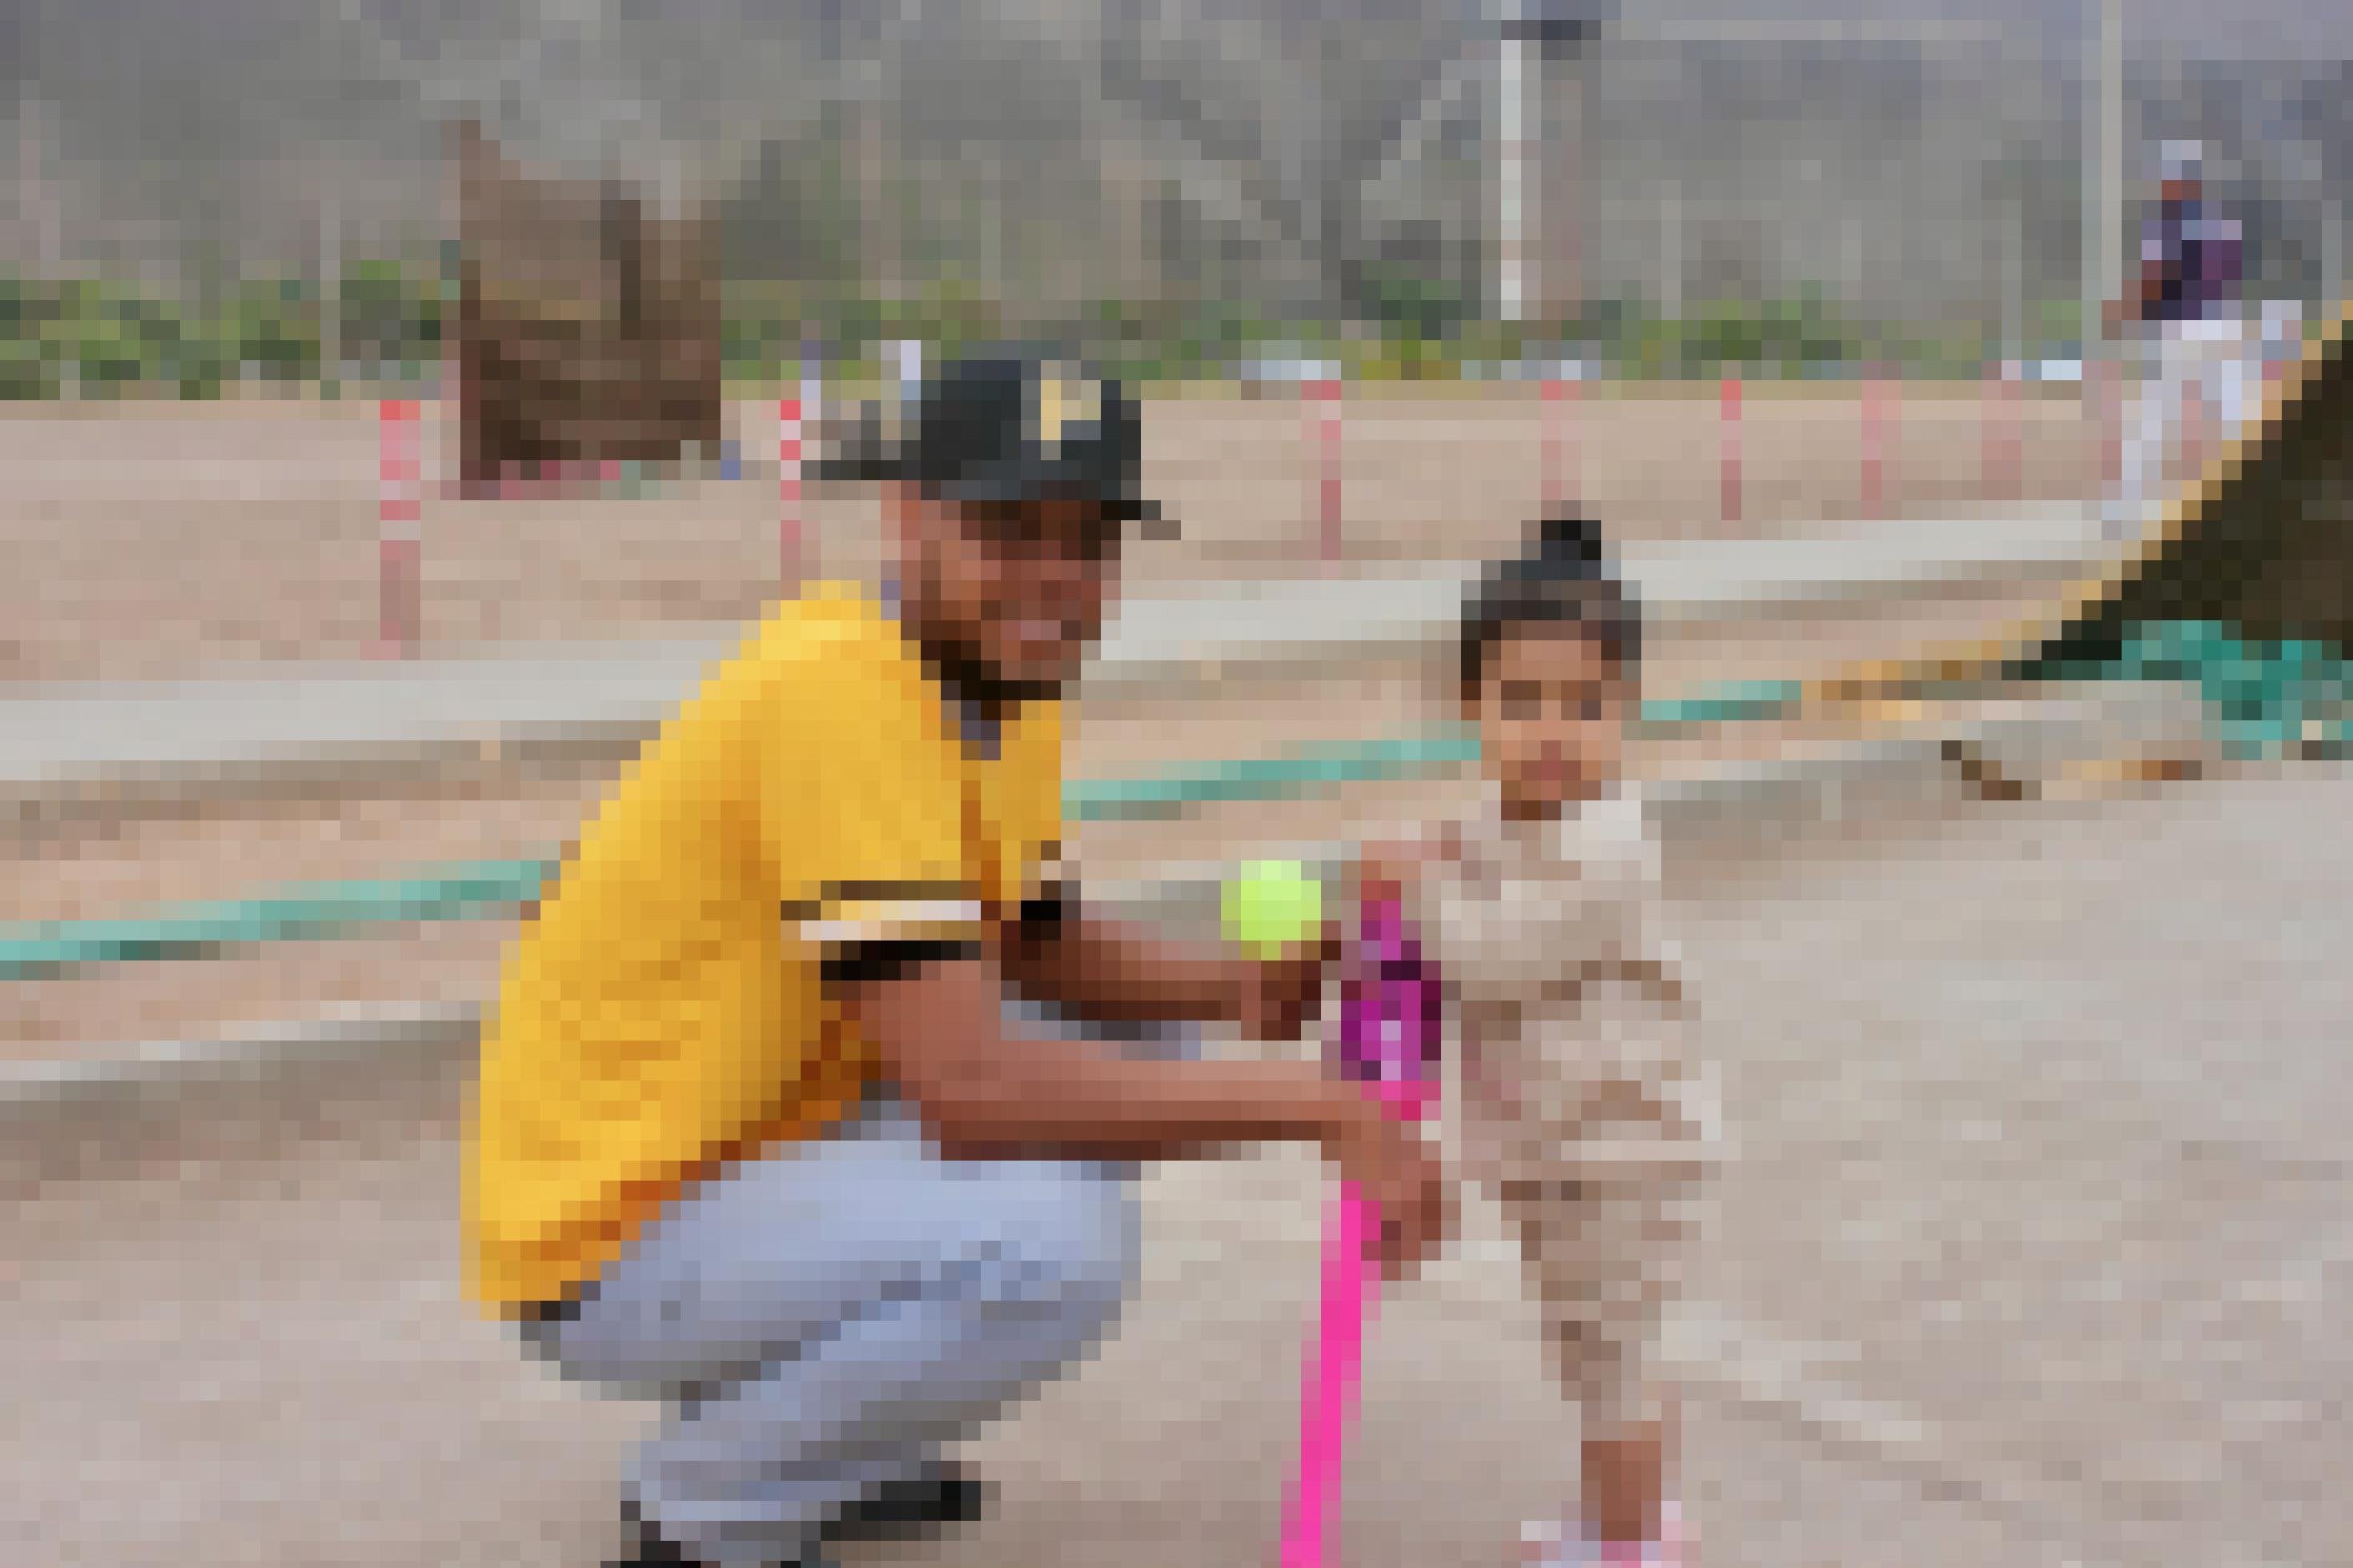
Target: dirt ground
{"x":157,"y":538}
{"x":2033,"y":1251}
{"x":2040,"y":1115}
{"x":125,"y":867}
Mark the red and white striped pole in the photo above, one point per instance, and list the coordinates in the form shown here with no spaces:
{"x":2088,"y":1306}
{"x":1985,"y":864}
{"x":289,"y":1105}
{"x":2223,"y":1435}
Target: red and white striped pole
{"x":1728,"y":403}
{"x":1555,"y":414}
{"x":1325,"y":417}
{"x":1876,"y":398}
{"x":400,"y":478}
{"x":790,"y":560}
{"x":2005,"y":434}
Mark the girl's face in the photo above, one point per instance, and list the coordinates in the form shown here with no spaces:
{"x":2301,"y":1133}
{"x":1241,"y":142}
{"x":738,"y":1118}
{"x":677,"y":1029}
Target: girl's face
{"x":1551,"y":711}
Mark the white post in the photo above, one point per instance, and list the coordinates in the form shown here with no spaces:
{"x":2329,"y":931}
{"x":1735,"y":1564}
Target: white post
{"x":2005,"y":446}
{"x":1670,"y":253}
{"x":40,"y":202}
{"x":1512,"y":185}
{"x":2104,"y":193}
{"x":2014,"y":284}
{"x":1559,"y":161}
{"x":331,"y":293}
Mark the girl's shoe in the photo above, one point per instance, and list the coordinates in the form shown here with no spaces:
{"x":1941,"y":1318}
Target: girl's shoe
{"x":1565,"y":1544}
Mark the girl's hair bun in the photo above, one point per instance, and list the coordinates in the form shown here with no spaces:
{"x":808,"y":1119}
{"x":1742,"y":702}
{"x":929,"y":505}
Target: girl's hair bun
{"x":1567,"y":549}
{"x":1569,"y":541}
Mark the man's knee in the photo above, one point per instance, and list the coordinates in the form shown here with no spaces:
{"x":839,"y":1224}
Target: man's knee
{"x":1065,"y":1241}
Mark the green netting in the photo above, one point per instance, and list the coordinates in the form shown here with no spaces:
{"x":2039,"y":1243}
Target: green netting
{"x":2267,"y":698}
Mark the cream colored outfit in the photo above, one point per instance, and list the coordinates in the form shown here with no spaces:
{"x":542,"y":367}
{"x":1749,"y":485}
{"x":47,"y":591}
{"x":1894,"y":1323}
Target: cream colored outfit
{"x":1580,"y":1105}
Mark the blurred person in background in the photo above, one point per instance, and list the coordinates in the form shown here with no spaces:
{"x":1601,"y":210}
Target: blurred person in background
{"x":2186,"y":332}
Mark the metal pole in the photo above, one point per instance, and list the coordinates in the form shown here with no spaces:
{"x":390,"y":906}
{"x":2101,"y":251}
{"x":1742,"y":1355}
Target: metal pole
{"x":1670,"y":253}
{"x":1562,"y":278}
{"x":1511,"y":194}
{"x":2332,"y":257}
{"x":2005,"y":443}
{"x":331,"y":294}
{"x":1728,"y":427}
{"x":2104,"y":204}
{"x":2014,"y":284}
{"x":40,"y":201}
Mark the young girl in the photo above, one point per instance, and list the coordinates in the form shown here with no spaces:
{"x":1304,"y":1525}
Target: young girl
{"x":1580,"y":1110}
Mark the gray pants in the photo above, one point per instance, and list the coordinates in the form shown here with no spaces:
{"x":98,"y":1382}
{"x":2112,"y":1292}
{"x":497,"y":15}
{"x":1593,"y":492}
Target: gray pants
{"x":819,"y":1323}
{"x":2206,"y":373}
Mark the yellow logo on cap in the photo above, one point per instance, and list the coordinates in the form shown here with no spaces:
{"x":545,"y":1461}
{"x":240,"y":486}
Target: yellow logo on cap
{"x":1064,"y":401}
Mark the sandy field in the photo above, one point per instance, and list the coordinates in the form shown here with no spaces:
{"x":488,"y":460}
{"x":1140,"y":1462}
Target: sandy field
{"x":98,"y":869}
{"x":162,"y":539}
{"x":159,"y":539}
{"x":2034,"y":1252}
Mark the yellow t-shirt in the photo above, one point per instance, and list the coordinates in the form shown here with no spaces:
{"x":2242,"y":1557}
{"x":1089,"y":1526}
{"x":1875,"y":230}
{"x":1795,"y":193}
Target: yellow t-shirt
{"x":663,"y":1015}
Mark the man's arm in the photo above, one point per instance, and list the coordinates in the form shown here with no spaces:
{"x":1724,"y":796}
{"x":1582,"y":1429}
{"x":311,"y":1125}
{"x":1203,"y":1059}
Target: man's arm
{"x":2146,"y":289}
{"x":934,"y":1017}
{"x":1113,"y":972}
{"x":2139,"y":298}
{"x":934,"y":1013}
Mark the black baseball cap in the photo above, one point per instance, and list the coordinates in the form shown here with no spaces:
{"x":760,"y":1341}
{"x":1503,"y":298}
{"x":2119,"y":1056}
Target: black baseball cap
{"x":1006,"y":425}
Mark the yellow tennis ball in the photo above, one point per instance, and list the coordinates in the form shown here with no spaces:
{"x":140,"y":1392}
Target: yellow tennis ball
{"x":1272,"y":905}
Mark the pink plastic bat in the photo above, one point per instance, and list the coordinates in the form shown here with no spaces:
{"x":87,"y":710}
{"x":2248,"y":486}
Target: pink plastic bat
{"x":1387,"y":1041}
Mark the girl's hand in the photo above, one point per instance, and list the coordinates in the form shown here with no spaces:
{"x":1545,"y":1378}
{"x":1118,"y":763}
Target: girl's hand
{"x":1394,"y":871}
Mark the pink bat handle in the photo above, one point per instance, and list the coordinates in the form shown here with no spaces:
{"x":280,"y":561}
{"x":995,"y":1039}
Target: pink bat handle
{"x":1387,"y":1042}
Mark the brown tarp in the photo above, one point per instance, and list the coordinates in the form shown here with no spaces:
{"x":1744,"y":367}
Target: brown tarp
{"x":588,"y":328}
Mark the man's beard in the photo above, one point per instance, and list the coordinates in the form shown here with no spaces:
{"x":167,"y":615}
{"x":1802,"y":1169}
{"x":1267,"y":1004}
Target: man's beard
{"x":967,"y":676}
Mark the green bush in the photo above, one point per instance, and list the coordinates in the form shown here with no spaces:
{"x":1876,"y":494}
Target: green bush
{"x":1407,"y":306}
{"x":275,"y":329}
{"x":393,"y":316}
{"x":107,"y":340}
{"x":28,"y":371}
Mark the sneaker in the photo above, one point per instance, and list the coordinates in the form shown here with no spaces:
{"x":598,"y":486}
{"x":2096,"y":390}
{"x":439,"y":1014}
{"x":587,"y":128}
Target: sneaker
{"x":944,"y":1494}
{"x":649,"y":1548}
{"x":1557,"y":1543}
{"x":941,"y":1495}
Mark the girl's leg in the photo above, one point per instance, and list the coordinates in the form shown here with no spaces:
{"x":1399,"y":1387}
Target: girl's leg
{"x":1626,"y":1483}
{"x":1605,"y":1258}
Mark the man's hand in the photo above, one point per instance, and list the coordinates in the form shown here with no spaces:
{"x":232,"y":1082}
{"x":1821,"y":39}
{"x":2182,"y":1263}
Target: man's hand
{"x":1393,"y":1167}
{"x":1275,"y":998}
